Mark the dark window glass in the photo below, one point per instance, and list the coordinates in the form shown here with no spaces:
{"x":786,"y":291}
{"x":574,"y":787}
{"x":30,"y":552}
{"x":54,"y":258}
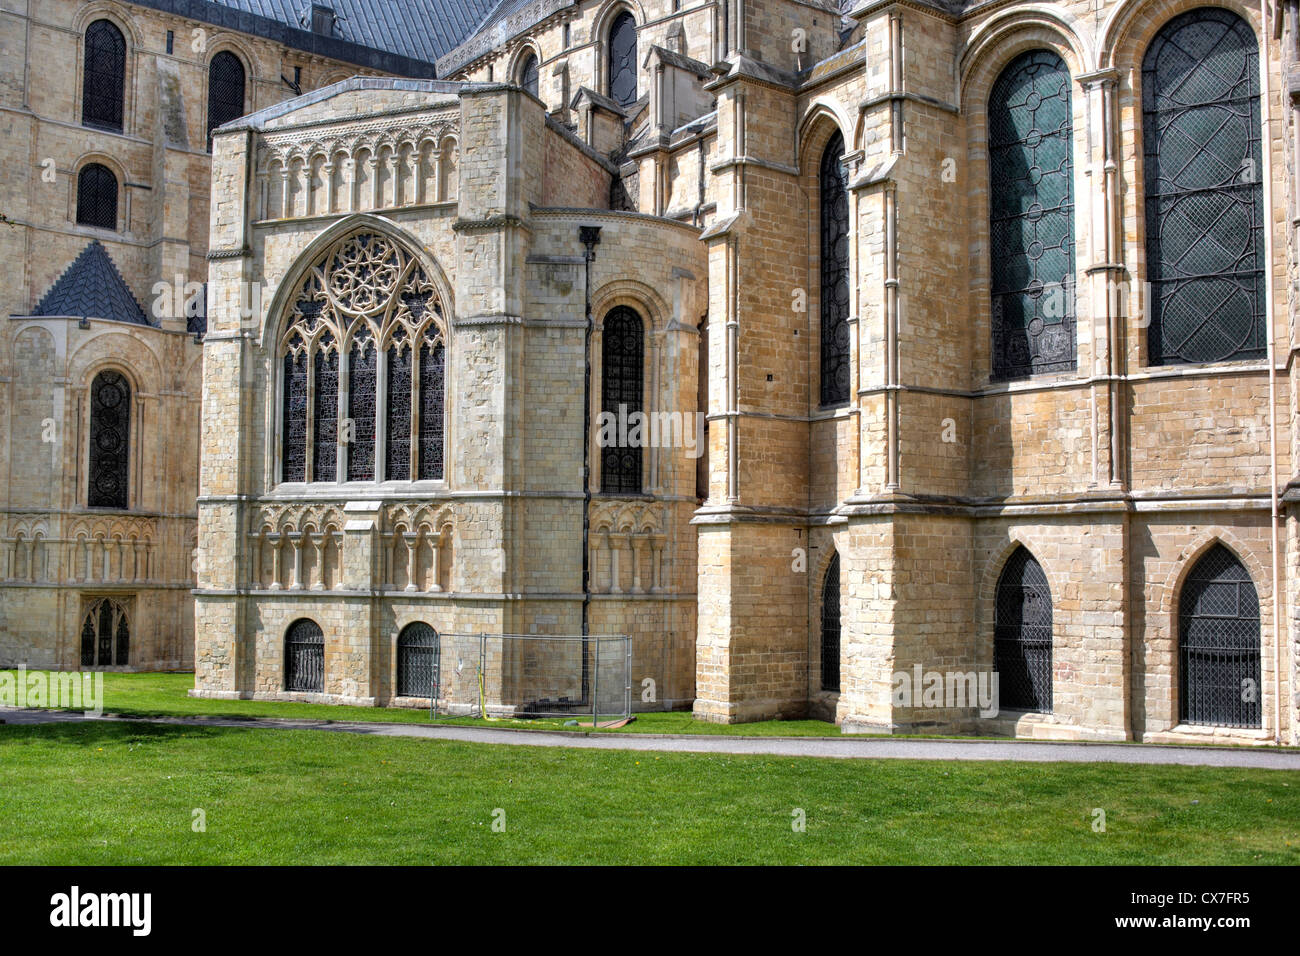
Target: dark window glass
{"x":623,"y":363}
{"x":1204,"y":190}
{"x":103,"y":83}
{"x":432,"y":374}
{"x":831,"y":626}
{"x":110,"y":429}
{"x":97,"y":197}
{"x":417,"y":661}
{"x":294,"y":455}
{"x":325,"y":442}
{"x":225,"y":91}
{"x":361,"y":410}
{"x":622,"y":60}
{"x":1022,"y":643}
{"x":398,"y":431}
{"x":105,"y":635}
{"x":1031,"y":217}
{"x":833,"y":186}
{"x":304,"y":657}
{"x":1218,"y":644}
{"x":528,"y":74}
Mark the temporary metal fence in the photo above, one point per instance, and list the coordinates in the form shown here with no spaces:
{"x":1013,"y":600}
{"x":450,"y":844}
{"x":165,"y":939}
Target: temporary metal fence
{"x":533,"y":675}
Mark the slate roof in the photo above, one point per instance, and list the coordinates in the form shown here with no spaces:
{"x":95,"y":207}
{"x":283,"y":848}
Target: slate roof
{"x":92,"y":287}
{"x":397,"y":36}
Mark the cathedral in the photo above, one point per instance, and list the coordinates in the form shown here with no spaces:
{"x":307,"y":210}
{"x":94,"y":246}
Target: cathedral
{"x":823,"y":349}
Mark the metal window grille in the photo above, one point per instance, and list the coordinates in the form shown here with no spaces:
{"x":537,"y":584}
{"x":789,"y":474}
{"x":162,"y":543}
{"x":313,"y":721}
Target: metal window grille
{"x":225,"y":91}
{"x":397,"y":466}
{"x":97,"y":197}
{"x":622,"y":364}
{"x":361,"y":409}
{"x":1203,"y":164}
{"x":528,"y":74}
{"x":622,"y":60}
{"x":1031,"y":217}
{"x":831,"y":626}
{"x":1023,"y":635}
{"x":103,"y":82}
{"x":417,"y":661}
{"x":304,"y":657}
{"x":834,"y":195}
{"x":1219,"y":644}
{"x":325,"y":440}
{"x":110,"y":429}
{"x":433,"y":360}
{"x":294,"y":454}
{"x":105,"y":635}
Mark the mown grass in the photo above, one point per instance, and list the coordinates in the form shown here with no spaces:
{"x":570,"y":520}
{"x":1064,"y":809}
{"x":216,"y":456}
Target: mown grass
{"x":92,"y":792}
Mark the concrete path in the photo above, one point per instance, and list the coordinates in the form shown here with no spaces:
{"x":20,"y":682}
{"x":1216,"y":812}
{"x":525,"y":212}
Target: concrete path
{"x":840,"y":747}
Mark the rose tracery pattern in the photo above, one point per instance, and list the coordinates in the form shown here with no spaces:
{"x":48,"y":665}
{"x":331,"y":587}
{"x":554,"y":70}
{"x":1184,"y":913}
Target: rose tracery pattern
{"x":363,"y":311}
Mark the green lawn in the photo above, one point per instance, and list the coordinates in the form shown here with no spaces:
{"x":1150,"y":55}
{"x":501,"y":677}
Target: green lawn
{"x":90,"y":793}
{"x":151,"y":695}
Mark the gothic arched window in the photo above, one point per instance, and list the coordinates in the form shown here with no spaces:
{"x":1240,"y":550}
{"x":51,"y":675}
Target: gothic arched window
{"x":1031,"y":217}
{"x":833,"y":190}
{"x":110,"y":432}
{"x":103,"y":81}
{"x":97,"y":197}
{"x":225,"y":91}
{"x":1022,"y":637}
{"x":1218,"y":644}
{"x":1204,"y":190}
{"x":622,"y":364}
{"x":622,"y":60}
{"x":105,"y":635}
{"x":366,"y":313}
{"x":417,"y":661}
{"x":831,"y":626}
{"x":304,"y":657}
{"x":528,"y":71}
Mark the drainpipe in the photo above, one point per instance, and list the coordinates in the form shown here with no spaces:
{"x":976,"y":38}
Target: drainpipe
{"x":590,"y":238}
{"x":1275,"y":516}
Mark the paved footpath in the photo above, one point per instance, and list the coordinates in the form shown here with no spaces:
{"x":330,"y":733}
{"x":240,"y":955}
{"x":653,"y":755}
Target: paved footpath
{"x":873,"y":748}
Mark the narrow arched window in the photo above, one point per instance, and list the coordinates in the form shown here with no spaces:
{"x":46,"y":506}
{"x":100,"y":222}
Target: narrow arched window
{"x":1203,"y":166}
{"x":1031,"y":217}
{"x":370,"y":300}
{"x":622,"y":364}
{"x":97,"y":197}
{"x":831,"y":626}
{"x":304,"y":657}
{"x":528,"y":71}
{"x":103,"y":81}
{"x":1219,"y":644}
{"x":834,"y":205}
{"x":110,"y":431}
{"x":225,"y":91}
{"x":622,"y":60}
{"x":105,"y":635}
{"x":1022,"y":640}
{"x":417,"y":661}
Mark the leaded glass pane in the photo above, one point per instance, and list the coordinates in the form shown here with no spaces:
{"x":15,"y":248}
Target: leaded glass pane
{"x":1219,"y":644}
{"x":417,"y":661}
{"x":833,"y":185}
{"x":1022,"y":645}
{"x":432,"y":370}
{"x":225,"y":91}
{"x":105,"y":635}
{"x":528,"y":74}
{"x":325,"y":445}
{"x":622,"y":60}
{"x":1204,"y":190}
{"x":1031,"y":217}
{"x":398,"y":430}
{"x":361,"y":411}
{"x":110,"y":429}
{"x":831,"y":627}
{"x":103,"y":81}
{"x":97,"y":197}
{"x":304,"y":657}
{"x":294,"y":454}
{"x":623,"y":363}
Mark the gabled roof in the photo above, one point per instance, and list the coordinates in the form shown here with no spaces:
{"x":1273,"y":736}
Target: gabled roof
{"x":92,"y":287}
{"x":396,"y":36}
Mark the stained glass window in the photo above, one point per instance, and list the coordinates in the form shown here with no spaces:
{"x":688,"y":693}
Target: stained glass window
{"x":417,"y":661}
{"x":1218,"y":644}
{"x":831,"y":626}
{"x":105,"y":635}
{"x":97,"y":197}
{"x":225,"y":91}
{"x":622,"y":60}
{"x":833,"y":186}
{"x":1031,"y":217}
{"x":369,"y":298}
{"x":103,"y":81}
{"x":1022,"y":639}
{"x":528,"y":74}
{"x":110,"y":430}
{"x":1204,"y":190}
{"x":623,"y":364}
